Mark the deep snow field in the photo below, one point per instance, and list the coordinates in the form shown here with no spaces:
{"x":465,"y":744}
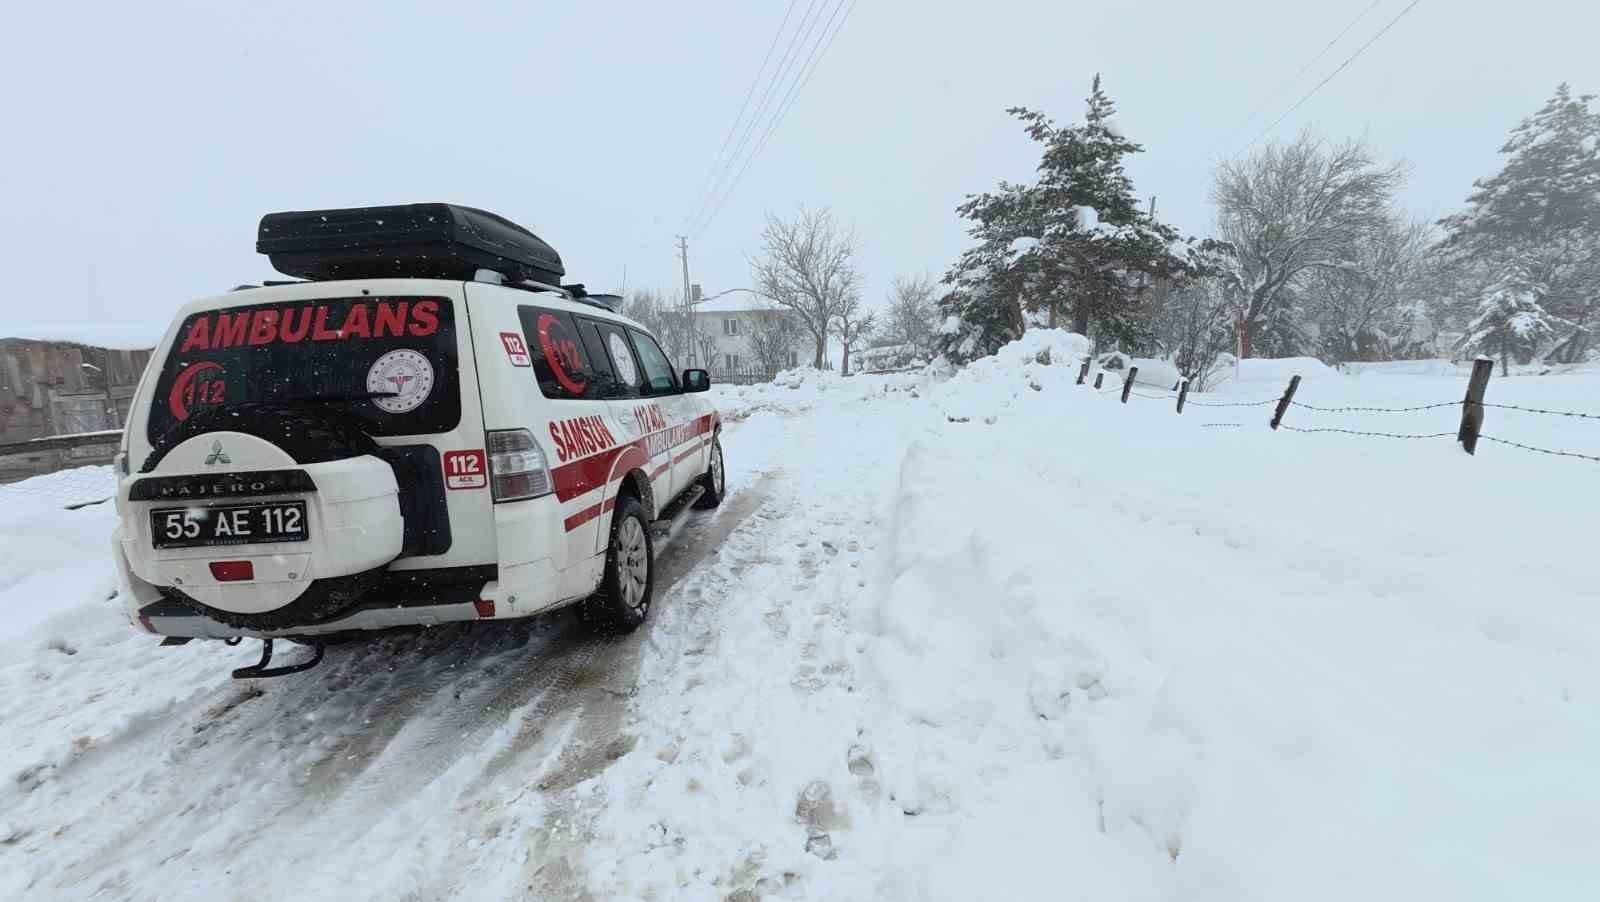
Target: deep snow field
{"x":976,"y":635}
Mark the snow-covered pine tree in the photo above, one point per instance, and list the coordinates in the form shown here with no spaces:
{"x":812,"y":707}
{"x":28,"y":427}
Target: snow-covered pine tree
{"x":1511,"y":321}
{"x":975,"y":320}
{"x":1543,"y":209}
{"x":1075,"y":242}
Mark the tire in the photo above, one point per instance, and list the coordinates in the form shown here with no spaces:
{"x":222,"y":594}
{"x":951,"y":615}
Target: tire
{"x":714,"y":479}
{"x":623,"y":601}
{"x":309,"y":435}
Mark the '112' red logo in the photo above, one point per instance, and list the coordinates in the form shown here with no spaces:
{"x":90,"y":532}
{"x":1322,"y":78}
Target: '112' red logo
{"x":465,"y":469}
{"x":516,"y":349}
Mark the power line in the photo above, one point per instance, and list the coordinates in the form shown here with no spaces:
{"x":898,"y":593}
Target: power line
{"x":754,"y":82}
{"x":1267,"y":101}
{"x":780,"y":75}
{"x":813,"y":61}
{"x":775,"y":92}
{"x":1359,"y":50}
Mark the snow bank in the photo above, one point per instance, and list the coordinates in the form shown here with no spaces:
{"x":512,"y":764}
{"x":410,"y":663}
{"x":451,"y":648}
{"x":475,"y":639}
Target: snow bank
{"x":989,"y":385}
{"x":1156,"y":661}
{"x":801,"y":389}
{"x":56,"y":559}
{"x":1254,"y":373}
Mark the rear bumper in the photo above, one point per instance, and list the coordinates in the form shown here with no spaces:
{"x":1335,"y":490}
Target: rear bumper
{"x":406,"y":599}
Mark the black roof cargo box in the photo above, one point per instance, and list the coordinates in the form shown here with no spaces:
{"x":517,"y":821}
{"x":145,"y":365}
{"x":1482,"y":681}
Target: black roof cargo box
{"x":437,"y":241}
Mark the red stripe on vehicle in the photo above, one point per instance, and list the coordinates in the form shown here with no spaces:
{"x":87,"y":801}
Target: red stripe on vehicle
{"x":582,"y":517}
{"x":589,"y":473}
{"x":589,"y":513}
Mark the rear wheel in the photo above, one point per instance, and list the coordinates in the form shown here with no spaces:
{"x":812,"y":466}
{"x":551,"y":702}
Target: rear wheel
{"x":715,"y":479}
{"x":629,"y":581}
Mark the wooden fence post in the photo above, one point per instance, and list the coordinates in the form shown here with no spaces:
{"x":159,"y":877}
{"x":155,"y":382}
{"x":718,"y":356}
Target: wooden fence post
{"x":1472,"y":407}
{"x":1183,"y":394}
{"x":1098,"y":378}
{"x":1127,"y":384}
{"x":1283,"y":402}
{"x":1083,"y":371}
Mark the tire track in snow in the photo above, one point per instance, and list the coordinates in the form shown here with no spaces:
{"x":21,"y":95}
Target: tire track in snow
{"x":324,"y":760}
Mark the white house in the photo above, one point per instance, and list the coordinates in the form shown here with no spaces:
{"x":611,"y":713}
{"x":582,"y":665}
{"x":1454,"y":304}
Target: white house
{"x":723,"y":326}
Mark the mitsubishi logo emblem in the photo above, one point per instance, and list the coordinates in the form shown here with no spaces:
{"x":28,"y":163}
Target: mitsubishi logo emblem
{"x":217,"y":455}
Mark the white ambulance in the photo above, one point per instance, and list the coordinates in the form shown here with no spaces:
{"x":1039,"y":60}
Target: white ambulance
{"x":424,"y":427}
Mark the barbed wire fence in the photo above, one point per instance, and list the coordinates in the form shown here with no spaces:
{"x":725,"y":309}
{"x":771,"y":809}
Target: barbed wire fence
{"x":1467,"y":435}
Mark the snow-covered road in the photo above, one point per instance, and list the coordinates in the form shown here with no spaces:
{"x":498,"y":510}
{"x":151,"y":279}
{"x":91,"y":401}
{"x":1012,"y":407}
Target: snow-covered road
{"x":983,"y":637}
{"x":430,"y":765}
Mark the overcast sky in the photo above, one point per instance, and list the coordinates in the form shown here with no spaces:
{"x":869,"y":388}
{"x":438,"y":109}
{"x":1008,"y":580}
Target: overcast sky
{"x":145,"y":140}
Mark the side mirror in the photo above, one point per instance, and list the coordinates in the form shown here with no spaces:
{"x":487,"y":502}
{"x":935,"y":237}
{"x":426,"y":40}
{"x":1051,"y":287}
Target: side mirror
{"x":696,"y":380}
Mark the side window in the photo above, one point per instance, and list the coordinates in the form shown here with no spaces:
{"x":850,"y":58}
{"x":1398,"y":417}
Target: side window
{"x":561,"y":364}
{"x":606,"y":384}
{"x":657,"y":370}
{"x":623,"y":363}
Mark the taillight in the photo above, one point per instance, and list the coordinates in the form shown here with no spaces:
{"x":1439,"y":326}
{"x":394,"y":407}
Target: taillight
{"x":517,"y":468}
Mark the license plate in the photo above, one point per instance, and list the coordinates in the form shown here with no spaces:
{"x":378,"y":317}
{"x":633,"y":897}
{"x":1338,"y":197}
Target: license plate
{"x":231,"y":524}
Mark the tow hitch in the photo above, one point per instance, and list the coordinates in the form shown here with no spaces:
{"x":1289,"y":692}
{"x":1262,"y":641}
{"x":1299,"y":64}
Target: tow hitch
{"x":260,"y":669}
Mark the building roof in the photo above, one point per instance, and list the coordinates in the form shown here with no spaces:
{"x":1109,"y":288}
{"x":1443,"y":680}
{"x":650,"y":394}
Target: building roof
{"x":739,"y":302}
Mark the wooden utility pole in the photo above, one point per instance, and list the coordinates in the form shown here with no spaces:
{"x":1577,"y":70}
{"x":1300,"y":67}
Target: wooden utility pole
{"x":688,"y":302}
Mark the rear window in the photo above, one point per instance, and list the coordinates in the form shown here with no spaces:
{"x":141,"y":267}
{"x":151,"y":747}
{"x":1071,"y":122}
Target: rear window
{"x":331,"y":351}
{"x":570,"y":358}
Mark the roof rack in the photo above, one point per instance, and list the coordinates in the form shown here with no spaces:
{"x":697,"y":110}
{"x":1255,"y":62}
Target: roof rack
{"x":611,"y":303}
{"x":412,"y":240}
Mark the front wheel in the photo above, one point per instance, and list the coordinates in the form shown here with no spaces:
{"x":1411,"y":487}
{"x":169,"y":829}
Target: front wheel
{"x":626,"y":588}
{"x":714,"y":480}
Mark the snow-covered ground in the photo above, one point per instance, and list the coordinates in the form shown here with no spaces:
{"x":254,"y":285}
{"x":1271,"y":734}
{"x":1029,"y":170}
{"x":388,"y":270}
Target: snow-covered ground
{"x":975,"y":635}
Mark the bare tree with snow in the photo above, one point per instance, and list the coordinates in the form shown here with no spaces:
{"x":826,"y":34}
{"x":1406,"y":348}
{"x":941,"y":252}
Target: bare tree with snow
{"x":664,"y":319}
{"x":772,"y":336}
{"x":1292,"y":209}
{"x":1361,"y":310}
{"x":911,"y":317}
{"x":1194,"y":322}
{"x":807,"y":264}
{"x":853,"y":324}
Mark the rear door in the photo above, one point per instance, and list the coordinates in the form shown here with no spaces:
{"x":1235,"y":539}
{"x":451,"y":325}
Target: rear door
{"x":540,"y":375}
